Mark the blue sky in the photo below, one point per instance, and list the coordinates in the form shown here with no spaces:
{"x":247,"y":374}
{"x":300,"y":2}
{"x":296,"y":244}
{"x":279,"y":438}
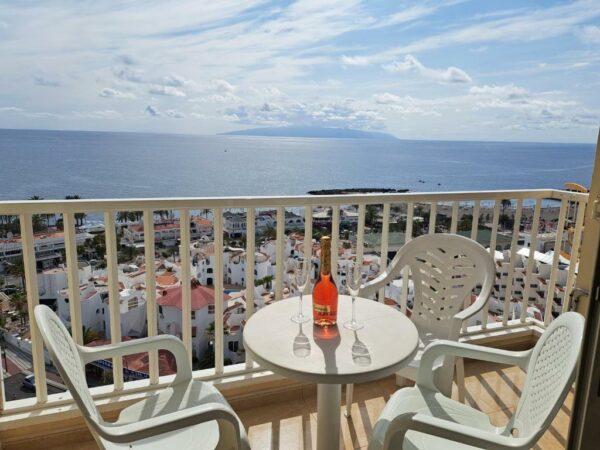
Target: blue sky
{"x":492,"y":70}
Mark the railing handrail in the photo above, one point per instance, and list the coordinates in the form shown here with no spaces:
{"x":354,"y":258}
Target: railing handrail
{"x":135,"y":204}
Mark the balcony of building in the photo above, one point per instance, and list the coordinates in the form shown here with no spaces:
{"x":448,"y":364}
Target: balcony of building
{"x":277,"y":412}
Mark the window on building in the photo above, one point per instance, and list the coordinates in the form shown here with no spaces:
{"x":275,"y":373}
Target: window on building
{"x":193,"y":315}
{"x":234,"y":346}
{"x":211,"y":309}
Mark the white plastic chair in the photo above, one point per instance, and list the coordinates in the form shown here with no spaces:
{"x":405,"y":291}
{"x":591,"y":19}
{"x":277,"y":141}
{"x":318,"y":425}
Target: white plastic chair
{"x":445,"y":268}
{"x":188,"y":414}
{"x":423,"y":418}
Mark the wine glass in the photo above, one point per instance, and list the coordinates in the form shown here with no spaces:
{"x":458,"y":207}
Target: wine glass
{"x":354,"y":279}
{"x":301,"y":276}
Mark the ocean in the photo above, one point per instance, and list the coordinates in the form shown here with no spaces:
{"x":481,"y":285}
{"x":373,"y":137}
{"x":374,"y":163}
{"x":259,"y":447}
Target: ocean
{"x":53,"y":164}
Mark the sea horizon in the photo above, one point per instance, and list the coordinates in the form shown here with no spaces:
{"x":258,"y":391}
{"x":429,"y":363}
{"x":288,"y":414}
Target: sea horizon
{"x":103,"y":164}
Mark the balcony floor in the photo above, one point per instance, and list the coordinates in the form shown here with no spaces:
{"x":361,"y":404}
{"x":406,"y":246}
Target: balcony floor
{"x":291,"y":422}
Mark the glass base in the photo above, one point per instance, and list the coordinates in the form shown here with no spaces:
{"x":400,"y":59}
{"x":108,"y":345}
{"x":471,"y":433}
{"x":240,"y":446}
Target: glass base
{"x":299,"y":318}
{"x":353,"y":325}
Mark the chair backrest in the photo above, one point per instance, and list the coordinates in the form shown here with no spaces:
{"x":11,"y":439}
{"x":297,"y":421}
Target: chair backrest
{"x":445,"y":269}
{"x":550,"y":375}
{"x":65,"y":355}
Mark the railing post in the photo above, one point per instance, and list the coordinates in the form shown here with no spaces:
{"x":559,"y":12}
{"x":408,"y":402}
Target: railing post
{"x":335,"y":240}
{"x":454,"y":221}
{"x":73,"y":277}
{"x":511,"y":269}
{"x":308,"y":248}
{"x":385,"y":231}
{"x":405,"y":272}
{"x":555,"y":261}
{"x":280,"y":255}
{"x":31,"y":284}
{"x":250,"y":250}
{"x":219,"y":328}
{"x":486,"y":308}
{"x":114,"y":298}
{"x":574,"y":255}
{"x":150,"y":281}
{"x":531,"y":259}
{"x":475,"y":220}
{"x":186,"y":281}
{"x":432,"y":217}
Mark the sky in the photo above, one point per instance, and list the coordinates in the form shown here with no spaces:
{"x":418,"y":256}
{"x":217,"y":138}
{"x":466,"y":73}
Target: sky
{"x":478,"y":70}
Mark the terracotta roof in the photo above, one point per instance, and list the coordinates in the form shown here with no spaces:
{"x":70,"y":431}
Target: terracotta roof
{"x":140,"y":361}
{"x":201,"y":221}
{"x":166,"y":279}
{"x":202,"y":296}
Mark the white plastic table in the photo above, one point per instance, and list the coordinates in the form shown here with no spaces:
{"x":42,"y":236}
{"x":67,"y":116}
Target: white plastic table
{"x":333,"y":356}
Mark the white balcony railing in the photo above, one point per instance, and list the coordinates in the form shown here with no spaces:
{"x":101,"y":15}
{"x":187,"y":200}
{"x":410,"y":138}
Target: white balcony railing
{"x":572,"y":207}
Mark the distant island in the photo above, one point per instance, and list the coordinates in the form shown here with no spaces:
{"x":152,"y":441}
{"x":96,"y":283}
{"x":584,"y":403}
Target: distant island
{"x":357,"y":191}
{"x":314,"y":132}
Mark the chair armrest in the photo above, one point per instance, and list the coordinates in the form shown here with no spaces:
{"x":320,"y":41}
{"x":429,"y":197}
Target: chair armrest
{"x":473,"y":309}
{"x":161,"y":342}
{"x":450,"y":348}
{"x":448,"y":429}
{"x":177,"y":420}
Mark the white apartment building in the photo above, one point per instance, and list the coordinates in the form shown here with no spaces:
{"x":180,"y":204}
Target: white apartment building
{"x":202,"y":315}
{"x":47,"y":246}
{"x":166,"y":233}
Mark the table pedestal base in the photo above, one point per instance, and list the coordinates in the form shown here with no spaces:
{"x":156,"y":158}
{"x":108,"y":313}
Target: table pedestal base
{"x":329,"y":399}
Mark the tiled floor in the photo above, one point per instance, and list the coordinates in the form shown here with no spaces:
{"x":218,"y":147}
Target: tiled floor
{"x":493,"y":389}
{"x":291,"y":422}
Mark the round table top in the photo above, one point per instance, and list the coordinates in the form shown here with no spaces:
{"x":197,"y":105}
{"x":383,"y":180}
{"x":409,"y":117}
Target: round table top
{"x":333,"y":355}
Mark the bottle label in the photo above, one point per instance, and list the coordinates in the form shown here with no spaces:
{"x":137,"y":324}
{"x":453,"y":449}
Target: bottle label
{"x":322,"y":309}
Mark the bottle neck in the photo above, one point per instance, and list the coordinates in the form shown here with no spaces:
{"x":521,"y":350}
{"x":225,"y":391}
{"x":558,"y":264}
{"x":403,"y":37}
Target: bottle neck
{"x":325,"y":260}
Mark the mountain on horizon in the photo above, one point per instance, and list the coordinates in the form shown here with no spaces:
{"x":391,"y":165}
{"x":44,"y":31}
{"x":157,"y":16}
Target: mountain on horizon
{"x":313,"y":132}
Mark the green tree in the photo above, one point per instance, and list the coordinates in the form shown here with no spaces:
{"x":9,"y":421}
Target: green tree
{"x":505,"y":203}
{"x":18,"y":302}
{"x":79,"y":217}
{"x":89,"y":335}
{"x":16,"y":268}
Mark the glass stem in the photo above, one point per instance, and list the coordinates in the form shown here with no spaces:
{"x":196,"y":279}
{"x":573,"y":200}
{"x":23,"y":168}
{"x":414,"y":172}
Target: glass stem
{"x":300,"y":306}
{"x":353,"y":310}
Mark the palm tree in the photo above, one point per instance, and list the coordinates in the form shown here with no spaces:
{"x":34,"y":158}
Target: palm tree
{"x":18,"y":302}
{"x":505,"y":203}
{"x":89,"y":335}
{"x":78,"y":216}
{"x":16,"y":268}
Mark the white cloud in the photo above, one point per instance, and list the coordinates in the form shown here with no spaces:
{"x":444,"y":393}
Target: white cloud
{"x":345,"y":113}
{"x":152,"y":111}
{"x":113,"y":93}
{"x":175,"y":81}
{"x":412,"y":64}
{"x":223,"y":86}
{"x":409,"y":14}
{"x":43,"y":79}
{"x":12,"y":109}
{"x":590,"y":34}
{"x":169,"y":113}
{"x":174,"y":114}
{"x":129,"y":74}
{"x":355,"y":60}
{"x":169,"y":91}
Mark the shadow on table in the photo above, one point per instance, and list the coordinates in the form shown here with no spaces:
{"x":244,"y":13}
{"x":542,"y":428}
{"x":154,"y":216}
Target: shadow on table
{"x":328,"y":340}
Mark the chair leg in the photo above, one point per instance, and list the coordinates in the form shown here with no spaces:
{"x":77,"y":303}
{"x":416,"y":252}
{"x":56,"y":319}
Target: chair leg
{"x":349,"y":394}
{"x":460,"y":379}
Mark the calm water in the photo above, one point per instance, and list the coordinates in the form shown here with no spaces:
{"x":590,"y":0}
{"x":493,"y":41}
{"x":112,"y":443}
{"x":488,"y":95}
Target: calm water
{"x":53,"y":164}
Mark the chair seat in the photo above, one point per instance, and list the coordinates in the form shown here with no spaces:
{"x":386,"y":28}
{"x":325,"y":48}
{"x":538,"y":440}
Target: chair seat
{"x":423,"y":401}
{"x":168,"y":400}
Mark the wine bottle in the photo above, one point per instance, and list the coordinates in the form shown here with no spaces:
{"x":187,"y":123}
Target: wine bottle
{"x":325,"y":294}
